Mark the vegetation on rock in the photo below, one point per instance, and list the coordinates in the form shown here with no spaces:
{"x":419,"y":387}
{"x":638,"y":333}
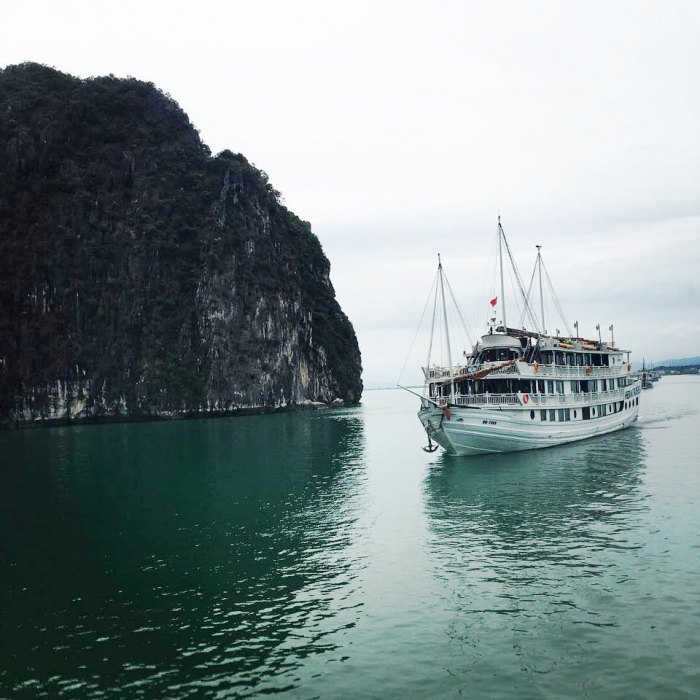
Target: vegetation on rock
{"x":140,"y":275}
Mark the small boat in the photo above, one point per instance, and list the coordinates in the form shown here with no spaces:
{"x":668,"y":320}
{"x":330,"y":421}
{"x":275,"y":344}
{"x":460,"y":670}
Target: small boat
{"x":647,"y":377}
{"x":524,"y":389}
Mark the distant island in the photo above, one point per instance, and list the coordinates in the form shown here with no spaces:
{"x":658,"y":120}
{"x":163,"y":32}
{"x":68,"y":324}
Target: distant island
{"x":678,"y":369}
{"x":142,"y":277}
{"x":685,"y":365}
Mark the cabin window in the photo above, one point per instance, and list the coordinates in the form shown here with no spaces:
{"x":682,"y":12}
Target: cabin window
{"x":540,"y":386}
{"x":550,"y":386}
{"x":552,"y":414}
{"x":602,"y":410}
{"x":560,"y":387}
{"x":567,"y":414}
{"x":561,"y":414}
{"x":499,"y":355}
{"x":543,"y":414}
{"x":605,"y":384}
{"x":585,"y":413}
{"x":575,"y":387}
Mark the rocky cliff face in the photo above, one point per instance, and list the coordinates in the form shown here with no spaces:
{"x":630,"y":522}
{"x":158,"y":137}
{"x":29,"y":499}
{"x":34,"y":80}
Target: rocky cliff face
{"x":140,"y":276}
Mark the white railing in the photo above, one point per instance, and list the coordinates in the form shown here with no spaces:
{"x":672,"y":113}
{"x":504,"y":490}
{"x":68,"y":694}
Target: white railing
{"x":432,"y":373}
{"x":487,"y":399}
{"x":578,"y":398}
{"x":541,"y":400}
{"x":577,"y":371}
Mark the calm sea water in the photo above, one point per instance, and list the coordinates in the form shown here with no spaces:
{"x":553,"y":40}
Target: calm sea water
{"x":325,"y":555}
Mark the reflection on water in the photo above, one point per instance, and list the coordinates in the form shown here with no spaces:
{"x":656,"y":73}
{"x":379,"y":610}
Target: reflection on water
{"x":182,"y":556}
{"x":523,"y":539}
{"x":539,"y":501}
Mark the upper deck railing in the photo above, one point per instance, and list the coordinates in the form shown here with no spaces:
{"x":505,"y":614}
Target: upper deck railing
{"x":528,"y":370}
{"x":540,"y":400}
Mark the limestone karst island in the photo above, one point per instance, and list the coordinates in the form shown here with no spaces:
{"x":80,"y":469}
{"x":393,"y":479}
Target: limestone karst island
{"x":142,"y":277}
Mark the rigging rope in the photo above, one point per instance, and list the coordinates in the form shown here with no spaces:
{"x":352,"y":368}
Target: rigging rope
{"x":488,"y":283}
{"x":556,"y":301}
{"x":459,"y":312}
{"x":519,"y":280}
{"x":415,"y":335}
{"x":529,"y":292}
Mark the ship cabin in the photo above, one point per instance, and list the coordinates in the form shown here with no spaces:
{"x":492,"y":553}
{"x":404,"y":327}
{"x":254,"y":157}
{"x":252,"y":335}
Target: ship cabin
{"x":519,"y":362}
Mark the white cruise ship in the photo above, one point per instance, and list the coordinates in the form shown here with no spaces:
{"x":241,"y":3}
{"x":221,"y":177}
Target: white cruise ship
{"x":526,"y":389}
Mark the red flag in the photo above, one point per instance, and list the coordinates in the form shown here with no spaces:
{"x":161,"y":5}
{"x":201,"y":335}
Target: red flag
{"x":493,"y":301}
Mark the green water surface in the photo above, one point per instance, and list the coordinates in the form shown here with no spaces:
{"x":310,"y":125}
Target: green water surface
{"x":323,"y":554}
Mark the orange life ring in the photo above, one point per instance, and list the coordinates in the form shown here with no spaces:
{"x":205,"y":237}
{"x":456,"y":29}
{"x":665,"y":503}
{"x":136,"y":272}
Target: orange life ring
{"x":536,"y":367}
{"x":588,"y":371}
{"x":526,"y":398}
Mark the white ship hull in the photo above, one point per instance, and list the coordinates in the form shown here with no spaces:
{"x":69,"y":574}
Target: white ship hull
{"x":474,"y":431}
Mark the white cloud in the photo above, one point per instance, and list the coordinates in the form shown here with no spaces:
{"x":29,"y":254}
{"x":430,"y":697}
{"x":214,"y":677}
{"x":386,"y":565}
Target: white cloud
{"x":399,"y":130}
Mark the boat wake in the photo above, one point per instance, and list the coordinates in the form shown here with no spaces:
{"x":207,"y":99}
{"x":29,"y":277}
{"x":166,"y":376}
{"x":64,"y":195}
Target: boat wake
{"x":662,"y":419}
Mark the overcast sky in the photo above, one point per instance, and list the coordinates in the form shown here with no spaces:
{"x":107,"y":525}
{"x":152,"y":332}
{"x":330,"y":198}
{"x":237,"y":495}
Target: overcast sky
{"x":401,"y":129}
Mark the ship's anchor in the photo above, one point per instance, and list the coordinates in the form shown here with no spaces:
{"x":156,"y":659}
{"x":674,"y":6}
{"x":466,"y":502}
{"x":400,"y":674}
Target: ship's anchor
{"x":430,"y":447}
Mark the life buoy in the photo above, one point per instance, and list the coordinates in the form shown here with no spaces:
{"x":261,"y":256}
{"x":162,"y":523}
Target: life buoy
{"x":536,"y":367}
{"x":588,"y":371}
{"x":526,"y":398}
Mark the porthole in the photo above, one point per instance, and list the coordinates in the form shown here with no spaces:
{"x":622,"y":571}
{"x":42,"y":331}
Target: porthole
{"x":593,"y":411}
{"x":575,"y":414}
{"x":532,"y":415}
